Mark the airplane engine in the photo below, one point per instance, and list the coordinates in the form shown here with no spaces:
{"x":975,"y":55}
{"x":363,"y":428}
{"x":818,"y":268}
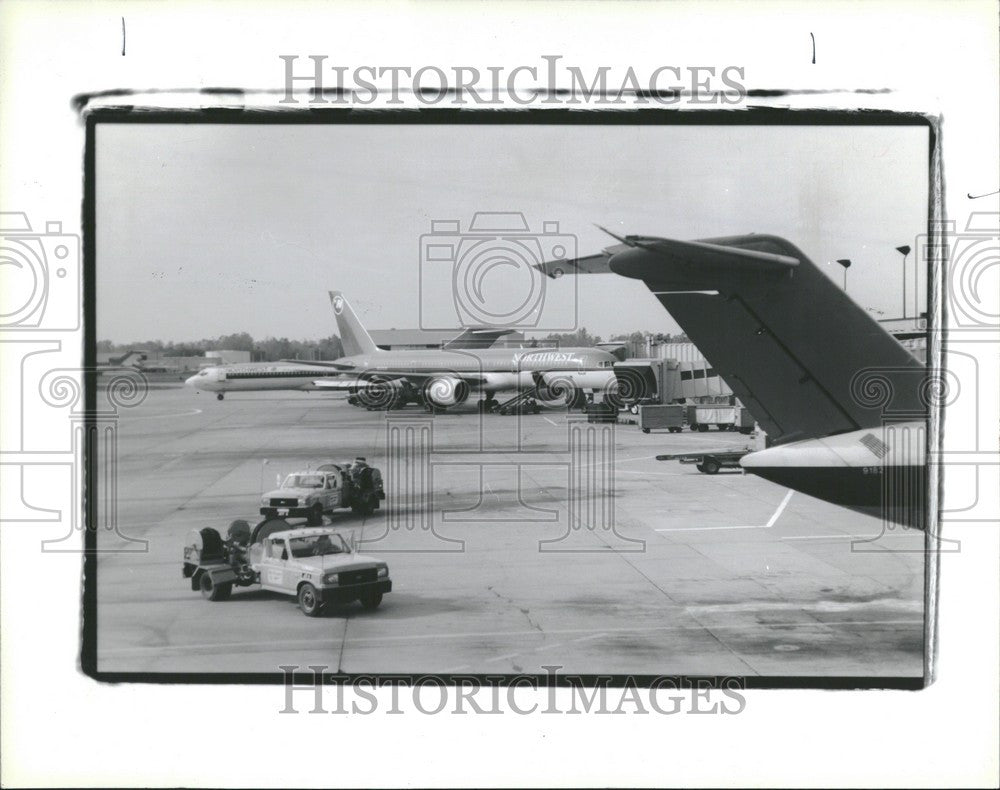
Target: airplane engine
{"x":379,"y":393}
{"x":444,"y":391}
{"x":559,"y":390}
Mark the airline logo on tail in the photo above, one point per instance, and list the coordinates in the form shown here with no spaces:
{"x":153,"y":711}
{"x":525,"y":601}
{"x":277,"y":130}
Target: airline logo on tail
{"x":353,"y":335}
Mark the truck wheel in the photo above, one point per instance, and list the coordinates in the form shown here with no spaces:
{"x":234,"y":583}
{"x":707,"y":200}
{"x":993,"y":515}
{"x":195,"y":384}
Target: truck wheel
{"x":371,"y":600}
{"x":309,"y":601}
{"x":213,"y":591}
{"x":693,"y":426}
{"x":709,"y":466}
{"x":315,"y":518}
{"x":702,"y":428}
{"x":646,"y":430}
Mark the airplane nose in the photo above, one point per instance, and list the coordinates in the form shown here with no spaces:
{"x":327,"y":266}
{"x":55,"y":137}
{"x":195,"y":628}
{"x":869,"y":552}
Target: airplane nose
{"x":191,"y":381}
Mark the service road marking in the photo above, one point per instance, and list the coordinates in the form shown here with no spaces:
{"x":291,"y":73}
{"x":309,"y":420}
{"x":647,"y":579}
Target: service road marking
{"x":771,"y":522}
{"x":190,"y":413}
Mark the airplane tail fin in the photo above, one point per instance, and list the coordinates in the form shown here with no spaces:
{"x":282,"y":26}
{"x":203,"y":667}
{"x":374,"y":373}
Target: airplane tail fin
{"x":353,"y":335}
{"x":796,"y":350}
{"x":128,"y":359}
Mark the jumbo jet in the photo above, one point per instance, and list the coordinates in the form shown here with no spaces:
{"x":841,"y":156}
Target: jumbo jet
{"x":302,"y":376}
{"x":444,"y":378}
{"x":843,"y":403}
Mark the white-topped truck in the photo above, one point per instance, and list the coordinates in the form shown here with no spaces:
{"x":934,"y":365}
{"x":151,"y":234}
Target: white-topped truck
{"x":316,"y":565}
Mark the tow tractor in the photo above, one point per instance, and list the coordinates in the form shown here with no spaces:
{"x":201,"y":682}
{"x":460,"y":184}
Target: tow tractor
{"x":709,"y":462}
{"x":316,"y":565}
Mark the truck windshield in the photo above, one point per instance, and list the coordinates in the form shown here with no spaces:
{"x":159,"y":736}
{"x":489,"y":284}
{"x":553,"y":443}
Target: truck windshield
{"x":303,"y":481}
{"x":318,"y":545}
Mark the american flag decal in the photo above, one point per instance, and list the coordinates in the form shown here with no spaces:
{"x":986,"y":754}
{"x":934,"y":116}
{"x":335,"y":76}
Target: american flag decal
{"x":876,"y":445}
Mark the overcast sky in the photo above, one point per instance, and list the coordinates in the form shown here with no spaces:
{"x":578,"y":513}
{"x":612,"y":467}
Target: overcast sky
{"x":205,"y":230}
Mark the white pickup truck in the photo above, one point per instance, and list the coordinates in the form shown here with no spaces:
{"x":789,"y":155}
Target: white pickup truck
{"x":316,"y":565}
{"x":315,"y":493}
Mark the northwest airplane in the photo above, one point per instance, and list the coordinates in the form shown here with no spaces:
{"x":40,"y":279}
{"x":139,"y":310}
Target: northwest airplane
{"x":844,"y":404}
{"x":257,"y":377}
{"x":446,"y":377}
{"x":296,"y":375}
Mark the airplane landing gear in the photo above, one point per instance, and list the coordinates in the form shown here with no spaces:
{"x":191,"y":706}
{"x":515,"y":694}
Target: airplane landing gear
{"x":488,"y":405}
{"x":220,"y":396}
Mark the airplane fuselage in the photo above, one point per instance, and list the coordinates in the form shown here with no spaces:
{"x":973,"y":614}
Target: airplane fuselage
{"x":500,"y":370}
{"x":254,"y":377}
{"x":876,"y":471}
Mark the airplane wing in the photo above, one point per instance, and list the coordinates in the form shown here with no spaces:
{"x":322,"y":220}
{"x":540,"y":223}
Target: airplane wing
{"x":317,"y":364}
{"x":476,"y":337}
{"x":590,"y":264}
{"x":795,"y":349}
{"x":338,"y":384}
{"x":416,"y":378}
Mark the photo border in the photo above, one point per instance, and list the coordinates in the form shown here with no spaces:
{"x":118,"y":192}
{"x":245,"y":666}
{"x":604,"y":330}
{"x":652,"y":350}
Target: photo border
{"x":757,"y":116}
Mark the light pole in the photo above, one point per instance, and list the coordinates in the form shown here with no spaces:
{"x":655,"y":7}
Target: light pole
{"x":905,"y":251}
{"x":846,"y":263}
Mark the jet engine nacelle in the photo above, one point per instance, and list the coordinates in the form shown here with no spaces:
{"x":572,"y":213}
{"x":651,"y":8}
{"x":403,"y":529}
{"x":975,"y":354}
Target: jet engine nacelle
{"x":379,"y":393}
{"x":444,"y":391}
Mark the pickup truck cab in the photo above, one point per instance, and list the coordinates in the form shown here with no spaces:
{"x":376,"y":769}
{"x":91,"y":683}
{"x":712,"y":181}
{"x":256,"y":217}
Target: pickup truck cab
{"x":318,"y":566}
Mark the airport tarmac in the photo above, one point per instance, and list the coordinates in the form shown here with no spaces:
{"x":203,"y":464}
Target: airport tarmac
{"x":668,"y":571}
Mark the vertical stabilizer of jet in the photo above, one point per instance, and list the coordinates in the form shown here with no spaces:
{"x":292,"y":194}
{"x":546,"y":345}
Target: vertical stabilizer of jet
{"x":353,"y":335}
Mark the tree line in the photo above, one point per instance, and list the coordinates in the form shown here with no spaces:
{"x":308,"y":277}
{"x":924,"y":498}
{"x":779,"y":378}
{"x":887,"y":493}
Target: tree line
{"x":269,"y":349}
{"x":272,"y":349}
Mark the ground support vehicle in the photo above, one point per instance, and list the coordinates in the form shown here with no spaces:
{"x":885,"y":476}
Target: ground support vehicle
{"x":701,"y":417}
{"x":709,"y":462}
{"x":316,"y":565}
{"x":656,"y":417}
{"x":315,"y":493}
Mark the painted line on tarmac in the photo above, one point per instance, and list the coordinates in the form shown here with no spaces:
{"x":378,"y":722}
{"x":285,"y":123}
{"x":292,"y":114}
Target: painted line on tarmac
{"x":771,"y":522}
{"x":658,"y":474}
{"x":540,"y":648}
{"x":333,"y":643}
{"x":172,"y":414}
{"x":842,"y":536}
